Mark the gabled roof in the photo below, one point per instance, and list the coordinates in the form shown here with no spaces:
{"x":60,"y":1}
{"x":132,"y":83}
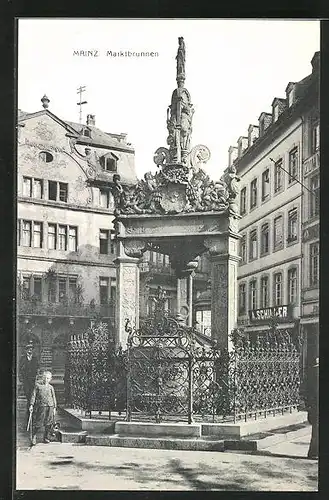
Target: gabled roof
{"x":22,"y":115}
{"x":100,"y":138}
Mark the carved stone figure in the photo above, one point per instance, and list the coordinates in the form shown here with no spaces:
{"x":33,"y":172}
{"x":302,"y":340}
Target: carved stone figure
{"x":180,"y":58}
{"x":233,"y":189}
{"x":161,"y":157}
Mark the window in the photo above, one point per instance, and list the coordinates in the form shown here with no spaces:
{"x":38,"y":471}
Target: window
{"x":106,"y":199}
{"x":278,"y":289}
{"x":242,"y":298}
{"x":314,"y":264}
{"x":278,"y":176}
{"x":52,"y":282}
{"x":243,"y":200}
{"x":243,"y":249}
{"x":292,"y":225}
{"x":52,"y":190}
{"x":265,"y":239}
{"x":57,"y":191}
{"x":62,"y":289}
{"x":37,"y":188}
{"x":62,"y":237}
{"x":292,"y":285}
{"x":26,"y":233}
{"x":112,"y":241}
{"x":315,"y":137}
{"x":265,"y":184}
{"x":253,"y":245}
{"x":109,"y":163}
{"x":73,"y":243}
{"x":103,"y":241}
{"x":293,"y":165}
{"x":45,"y":156}
{"x":62,"y":294}
{"x":264,"y":291}
{"x":113,"y":289}
{"x":27,"y":187}
{"x":253,"y":295}
{"x":63,"y":192}
{"x":278,"y":232}
{"x":26,"y":285}
{"x":73,"y":290}
{"x":291,"y":97}
{"x":37,"y":288}
{"x":253,"y":193}
{"x":37,"y":234}
{"x":51,"y":236}
{"x":315,"y":195}
{"x":103,"y":290}
{"x":275,"y":113}
{"x":86,"y":132}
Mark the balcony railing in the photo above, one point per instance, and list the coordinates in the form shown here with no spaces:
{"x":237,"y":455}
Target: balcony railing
{"x":35,"y":308}
{"x":312,"y":162}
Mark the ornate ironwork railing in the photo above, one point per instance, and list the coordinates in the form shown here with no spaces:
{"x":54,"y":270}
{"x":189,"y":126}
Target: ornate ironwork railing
{"x":38,"y":308}
{"x":96,"y":372}
{"x":170,"y":372}
{"x":171,"y":376}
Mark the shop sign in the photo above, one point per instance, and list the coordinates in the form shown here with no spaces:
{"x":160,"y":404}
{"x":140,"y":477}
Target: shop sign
{"x":279,"y":313}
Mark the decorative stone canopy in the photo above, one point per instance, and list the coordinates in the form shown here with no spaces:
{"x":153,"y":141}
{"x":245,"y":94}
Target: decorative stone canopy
{"x":180,"y":212}
{"x":180,"y":185}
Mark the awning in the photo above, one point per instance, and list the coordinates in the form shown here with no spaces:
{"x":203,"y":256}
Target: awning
{"x":308,"y":321}
{"x":259,"y":328}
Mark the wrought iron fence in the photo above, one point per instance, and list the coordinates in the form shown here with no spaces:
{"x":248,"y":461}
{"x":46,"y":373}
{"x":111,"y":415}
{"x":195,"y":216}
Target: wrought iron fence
{"x":172,"y":376}
{"x":96,"y":372}
{"x":169,"y":373}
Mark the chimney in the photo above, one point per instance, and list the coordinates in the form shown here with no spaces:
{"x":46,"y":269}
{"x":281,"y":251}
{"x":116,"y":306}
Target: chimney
{"x":264,"y":120}
{"x":91,"y":120}
{"x":232,"y":154}
{"x":242,"y":145}
{"x":253,"y":134}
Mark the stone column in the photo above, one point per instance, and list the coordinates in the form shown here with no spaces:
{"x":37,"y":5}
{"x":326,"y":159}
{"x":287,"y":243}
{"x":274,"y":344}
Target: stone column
{"x":127,"y":293}
{"x":185,"y":289}
{"x":224,"y":263}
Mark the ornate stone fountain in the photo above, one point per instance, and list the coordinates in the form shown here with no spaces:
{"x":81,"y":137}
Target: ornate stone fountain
{"x":179,"y":211}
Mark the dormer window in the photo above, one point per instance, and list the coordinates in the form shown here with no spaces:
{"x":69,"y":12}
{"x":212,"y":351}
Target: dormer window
{"x":290,"y":93}
{"x":275,"y":113}
{"x":109,"y":162}
{"x":86,"y":132}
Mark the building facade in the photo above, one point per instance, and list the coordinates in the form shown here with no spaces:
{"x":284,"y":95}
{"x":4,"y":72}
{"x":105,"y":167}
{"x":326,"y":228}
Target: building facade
{"x":66,"y":271}
{"x":310,"y":222}
{"x":66,"y":274}
{"x":274,"y":276}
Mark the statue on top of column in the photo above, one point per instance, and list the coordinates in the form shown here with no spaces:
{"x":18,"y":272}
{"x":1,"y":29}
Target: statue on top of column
{"x":180,"y":58}
{"x":180,"y":113}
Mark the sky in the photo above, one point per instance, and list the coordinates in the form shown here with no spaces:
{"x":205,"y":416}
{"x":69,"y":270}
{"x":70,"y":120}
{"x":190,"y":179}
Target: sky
{"x":234,"y":69}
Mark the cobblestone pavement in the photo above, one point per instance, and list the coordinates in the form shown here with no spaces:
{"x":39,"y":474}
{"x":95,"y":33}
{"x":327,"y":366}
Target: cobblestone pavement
{"x":80,"y":467}
{"x":282,"y":467}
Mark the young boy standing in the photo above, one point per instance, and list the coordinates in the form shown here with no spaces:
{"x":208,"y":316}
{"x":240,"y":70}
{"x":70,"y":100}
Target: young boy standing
{"x":43,"y":403}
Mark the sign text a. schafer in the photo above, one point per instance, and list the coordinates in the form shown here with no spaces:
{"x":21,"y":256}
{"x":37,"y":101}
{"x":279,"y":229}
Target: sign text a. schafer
{"x":279,"y":313}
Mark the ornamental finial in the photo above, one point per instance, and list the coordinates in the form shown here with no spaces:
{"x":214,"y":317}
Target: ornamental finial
{"x":45,"y":102}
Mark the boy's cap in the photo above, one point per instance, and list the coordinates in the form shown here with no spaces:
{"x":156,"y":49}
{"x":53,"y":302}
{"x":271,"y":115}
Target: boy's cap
{"x":29,"y":345}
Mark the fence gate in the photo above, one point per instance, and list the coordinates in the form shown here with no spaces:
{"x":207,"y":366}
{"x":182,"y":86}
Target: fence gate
{"x":160,"y":375}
